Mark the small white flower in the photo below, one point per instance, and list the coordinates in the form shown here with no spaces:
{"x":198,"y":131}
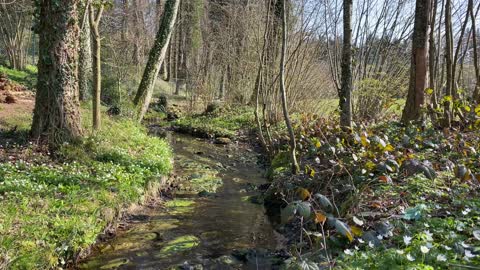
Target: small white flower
{"x":370,"y":244}
{"x":466,"y":211}
{"x":400,"y":251}
{"x":360,"y":240}
{"x":429,"y":235}
{"x":317,"y":160}
{"x":447,"y":247}
{"x":380,"y":237}
{"x":469,"y":254}
{"x":464,"y":245}
{"x":407,"y":239}
{"x":424,"y":249}
{"x":410,"y":257}
{"x":348,"y":252}
{"x":426,"y":225}
{"x":441,"y":258}
{"x":356,"y":248}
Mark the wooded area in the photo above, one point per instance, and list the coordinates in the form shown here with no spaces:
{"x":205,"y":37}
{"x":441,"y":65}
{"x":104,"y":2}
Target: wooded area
{"x":365,"y":115}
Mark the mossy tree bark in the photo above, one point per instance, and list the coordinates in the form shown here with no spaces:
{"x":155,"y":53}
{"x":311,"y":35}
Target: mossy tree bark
{"x":57,"y":108}
{"x":449,"y":65}
{"x":97,"y":64}
{"x":345,"y":91}
{"x":419,"y":64}
{"x":156,"y":57}
{"x":293,"y":143}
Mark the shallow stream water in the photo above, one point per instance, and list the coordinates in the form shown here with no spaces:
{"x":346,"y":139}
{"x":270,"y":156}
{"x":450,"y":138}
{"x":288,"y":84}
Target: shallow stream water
{"x":210,"y":217}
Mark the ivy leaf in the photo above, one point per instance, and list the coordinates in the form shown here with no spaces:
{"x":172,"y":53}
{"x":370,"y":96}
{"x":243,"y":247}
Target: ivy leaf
{"x":288,"y":212}
{"x":303,"y":209}
{"x":415,"y":213}
{"x":324,"y":202}
{"x":320,"y":218}
{"x":343,"y":229}
{"x":303,"y":193}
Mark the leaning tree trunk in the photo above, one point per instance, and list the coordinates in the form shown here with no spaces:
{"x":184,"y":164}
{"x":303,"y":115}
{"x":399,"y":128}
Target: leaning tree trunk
{"x":156,"y":57}
{"x":418,"y":69}
{"x":57,"y":114}
{"x":97,"y":64}
{"x":85,"y":56}
{"x":345,"y":93}
{"x":293,"y":143}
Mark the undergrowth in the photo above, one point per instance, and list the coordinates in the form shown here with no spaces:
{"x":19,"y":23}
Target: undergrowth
{"x":225,"y":123}
{"x":50,"y":212}
{"x":27,"y":77}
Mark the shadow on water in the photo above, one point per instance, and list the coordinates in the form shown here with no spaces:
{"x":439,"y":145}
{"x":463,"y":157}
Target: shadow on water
{"x":210,"y":218}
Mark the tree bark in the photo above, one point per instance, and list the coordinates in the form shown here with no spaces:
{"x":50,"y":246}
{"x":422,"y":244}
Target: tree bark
{"x":97,"y":64}
{"x":476,"y":92}
{"x":156,"y":57}
{"x":57,"y":115}
{"x":85,"y":55}
{"x":293,"y":143}
{"x":345,"y":93}
{"x":449,"y":65}
{"x":418,"y":70}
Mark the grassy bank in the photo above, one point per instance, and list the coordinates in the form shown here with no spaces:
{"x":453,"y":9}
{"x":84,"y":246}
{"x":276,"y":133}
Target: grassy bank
{"x":27,"y":77}
{"x":51,"y":211}
{"x":227,"y":122}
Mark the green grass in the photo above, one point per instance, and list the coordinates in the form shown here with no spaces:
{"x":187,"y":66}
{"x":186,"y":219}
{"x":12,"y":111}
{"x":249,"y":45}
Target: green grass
{"x":226,"y":123}
{"x":50,"y":212}
{"x":27,"y":77}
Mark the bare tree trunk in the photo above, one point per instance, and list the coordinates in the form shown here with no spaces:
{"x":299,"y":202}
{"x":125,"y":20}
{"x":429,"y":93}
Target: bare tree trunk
{"x":418,"y":70}
{"x":57,"y":114}
{"x":97,"y":64}
{"x":345,"y":93}
{"x":432,"y":51}
{"x":293,"y":143}
{"x":156,"y":57}
{"x":85,"y":55}
{"x":476,"y":93}
{"x":448,"y":59}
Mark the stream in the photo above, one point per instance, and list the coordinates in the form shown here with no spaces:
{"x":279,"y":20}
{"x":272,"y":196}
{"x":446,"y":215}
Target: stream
{"x":210,"y":224}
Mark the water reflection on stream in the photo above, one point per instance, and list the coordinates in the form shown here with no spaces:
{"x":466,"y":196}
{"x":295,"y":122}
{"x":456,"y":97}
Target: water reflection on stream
{"x":199,"y":229}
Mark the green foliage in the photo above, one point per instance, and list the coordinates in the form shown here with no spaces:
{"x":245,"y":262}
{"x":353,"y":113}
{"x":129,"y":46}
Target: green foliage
{"x":27,"y":77}
{"x":50,"y":212}
{"x":225,"y":124}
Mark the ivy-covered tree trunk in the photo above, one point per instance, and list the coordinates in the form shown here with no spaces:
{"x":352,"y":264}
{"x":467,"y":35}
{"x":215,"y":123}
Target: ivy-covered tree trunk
{"x":85,"y":55}
{"x":345,"y":93}
{"x":156,"y":57}
{"x":56,"y":115}
{"x":418,"y":69}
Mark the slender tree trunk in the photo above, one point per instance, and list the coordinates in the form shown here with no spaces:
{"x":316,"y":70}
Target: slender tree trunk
{"x":432,"y":51}
{"x":85,"y":55}
{"x":156,"y":56}
{"x":97,"y":64}
{"x":418,"y":70}
{"x":345,"y":93}
{"x":56,"y":115}
{"x":449,"y":65}
{"x":476,"y":92}
{"x":293,"y":143}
